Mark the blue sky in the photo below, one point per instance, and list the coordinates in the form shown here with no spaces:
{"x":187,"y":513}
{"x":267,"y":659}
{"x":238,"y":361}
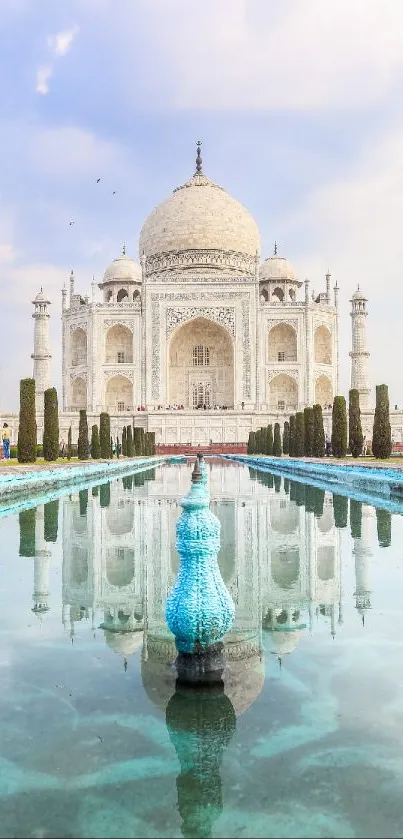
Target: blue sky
{"x":298,"y":104}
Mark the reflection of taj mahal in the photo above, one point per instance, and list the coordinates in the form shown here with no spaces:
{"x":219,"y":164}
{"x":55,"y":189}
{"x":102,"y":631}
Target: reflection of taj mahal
{"x":201,"y":340}
{"x":280,"y":559}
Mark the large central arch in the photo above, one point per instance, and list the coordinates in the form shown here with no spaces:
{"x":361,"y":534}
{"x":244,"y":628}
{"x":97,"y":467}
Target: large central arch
{"x":201,"y":366}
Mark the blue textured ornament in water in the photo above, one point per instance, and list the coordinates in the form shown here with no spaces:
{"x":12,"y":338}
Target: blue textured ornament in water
{"x":199,"y":609}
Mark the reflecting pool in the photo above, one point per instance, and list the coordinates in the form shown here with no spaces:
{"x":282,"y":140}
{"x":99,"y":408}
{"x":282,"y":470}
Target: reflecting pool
{"x":304,"y":737}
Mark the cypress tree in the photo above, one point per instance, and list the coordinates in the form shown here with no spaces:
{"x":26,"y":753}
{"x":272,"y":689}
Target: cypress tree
{"x":50,"y":425}
{"x":124,"y":441}
{"x":252,"y":471}
{"x":319,"y":502}
{"x":286,"y":438}
{"x":137,"y":440}
{"x":252,"y":443}
{"x":277,"y":440}
{"x":258,"y":441}
{"x":118,"y":447}
{"x":299,"y":494}
{"x":339,"y":427}
{"x":51,"y":520}
{"x":95,"y":491}
{"x":384,"y":527}
{"x":27,"y":422}
{"x":129,"y":441}
{"x":340,"y":510}
{"x":381,"y":434}
{"x":286,"y":485}
{"x":105,"y":435}
{"x":83,"y":436}
{"x":27,"y":525}
{"x":277,"y":483}
{"x":95,"y":444}
{"x":269,"y":440}
{"x":355,"y":518}
{"x":83,"y":501}
{"x":69,"y":445}
{"x":318,"y":432}
{"x":310,"y":498}
{"x":292,"y":435}
{"x":355,"y":435}
{"x":142,"y":442}
{"x":151,"y":436}
{"x":111,"y":449}
{"x":299,"y":435}
{"x":308,"y":432}
{"x":105,"y":495}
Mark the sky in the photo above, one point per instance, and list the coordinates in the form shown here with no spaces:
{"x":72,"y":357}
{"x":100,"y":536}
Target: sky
{"x":298,"y":105}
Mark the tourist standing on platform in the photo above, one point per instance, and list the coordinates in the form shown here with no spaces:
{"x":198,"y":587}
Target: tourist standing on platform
{"x":5,"y":436}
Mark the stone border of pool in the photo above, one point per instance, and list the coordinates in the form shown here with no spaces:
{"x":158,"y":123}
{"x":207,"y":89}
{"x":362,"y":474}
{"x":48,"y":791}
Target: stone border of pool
{"x":23,"y":481}
{"x":347,"y":479}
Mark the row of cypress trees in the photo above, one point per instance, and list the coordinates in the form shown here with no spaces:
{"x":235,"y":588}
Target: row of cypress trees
{"x":135,"y":441}
{"x":302,"y":436}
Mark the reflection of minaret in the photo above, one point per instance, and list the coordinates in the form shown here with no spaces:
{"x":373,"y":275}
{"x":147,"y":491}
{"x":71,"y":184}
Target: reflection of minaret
{"x":362,"y":553}
{"x":41,"y":567}
{"x":41,"y":354}
{"x":359,"y":350}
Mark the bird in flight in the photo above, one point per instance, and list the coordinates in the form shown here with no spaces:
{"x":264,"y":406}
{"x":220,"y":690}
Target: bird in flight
{"x":98,"y":180}
{"x":114,"y":192}
{"x":71,"y":222}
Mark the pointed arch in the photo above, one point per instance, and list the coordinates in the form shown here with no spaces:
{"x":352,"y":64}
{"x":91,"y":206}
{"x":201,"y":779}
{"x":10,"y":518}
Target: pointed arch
{"x":201,"y":365}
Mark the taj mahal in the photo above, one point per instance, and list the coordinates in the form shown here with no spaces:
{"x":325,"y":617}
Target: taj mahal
{"x":202,"y":340}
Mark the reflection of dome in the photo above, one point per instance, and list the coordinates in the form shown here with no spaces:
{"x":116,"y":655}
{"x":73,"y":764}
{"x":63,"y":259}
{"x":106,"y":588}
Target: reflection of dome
{"x":124,"y":643}
{"x":200,"y":216}
{"x":277,"y":268}
{"x":123,"y":269}
{"x":282,"y":643}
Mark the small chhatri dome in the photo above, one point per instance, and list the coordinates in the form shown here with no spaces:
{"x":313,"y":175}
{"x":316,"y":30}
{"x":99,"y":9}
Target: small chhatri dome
{"x":358,"y":295}
{"x":277,"y":268}
{"x":41,"y":297}
{"x":200,"y":216}
{"x":123,"y":269}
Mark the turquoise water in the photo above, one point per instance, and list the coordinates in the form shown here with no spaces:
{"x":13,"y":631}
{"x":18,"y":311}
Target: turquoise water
{"x":304,"y":739}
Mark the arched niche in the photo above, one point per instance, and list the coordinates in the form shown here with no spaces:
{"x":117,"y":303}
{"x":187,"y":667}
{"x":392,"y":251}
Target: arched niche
{"x":204,"y":377}
{"x":278,"y":295}
{"x":119,"y":395}
{"x":323,"y":391}
{"x":78,"y":347}
{"x":120,"y":520}
{"x":282,"y":343}
{"x":323,"y":345}
{"x":119,"y":345}
{"x":79,"y":393}
{"x":285,"y":567}
{"x":283,"y":393}
{"x":264,"y":295}
{"x":325,"y":562}
{"x":119,"y":566}
{"x":136,"y":296}
{"x":284,"y":520}
{"x":122,"y":294}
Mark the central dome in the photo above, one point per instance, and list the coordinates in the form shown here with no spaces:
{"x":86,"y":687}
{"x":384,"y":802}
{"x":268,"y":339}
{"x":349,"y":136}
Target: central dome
{"x":200,"y":227}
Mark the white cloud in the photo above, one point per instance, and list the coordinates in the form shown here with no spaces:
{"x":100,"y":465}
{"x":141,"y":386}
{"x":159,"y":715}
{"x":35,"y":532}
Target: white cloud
{"x":7,"y":253}
{"x":70,"y":151}
{"x":61,"y":43}
{"x":42,"y":78}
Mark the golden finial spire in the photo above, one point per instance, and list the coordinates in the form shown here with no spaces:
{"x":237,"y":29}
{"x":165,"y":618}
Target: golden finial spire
{"x":199,"y":162}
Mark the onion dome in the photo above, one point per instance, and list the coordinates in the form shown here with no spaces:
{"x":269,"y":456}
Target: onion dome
{"x":123,"y":269}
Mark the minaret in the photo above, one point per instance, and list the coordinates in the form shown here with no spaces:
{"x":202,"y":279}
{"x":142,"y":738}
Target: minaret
{"x":41,"y":354}
{"x":41,"y":567}
{"x":362,"y":554}
{"x":359,"y":352}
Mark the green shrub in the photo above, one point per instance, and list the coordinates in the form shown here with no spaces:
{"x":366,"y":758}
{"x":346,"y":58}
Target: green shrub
{"x":381,"y":434}
{"x":138,"y":441}
{"x":384,"y":527}
{"x":269,"y":440}
{"x":39,"y":450}
{"x":292,"y":435}
{"x":308,"y":432}
{"x":51,"y":520}
{"x":277,"y":440}
{"x":129,"y":438}
{"x":318,"y":432}
{"x":286,"y":438}
{"x":69,"y":445}
{"x":299,"y":435}
{"x":27,"y":525}
{"x":340,"y":510}
{"x":26,"y":444}
{"x":355,"y":518}
{"x":105,"y":435}
{"x":124,"y":441}
{"x":118,"y":447}
{"x":252,"y":443}
{"x":83,"y":436}
{"x":151,"y":437}
{"x":95,"y":444}
{"x":50,"y":425}
{"x":339,"y":427}
{"x":355,"y":435}
{"x":13,"y":451}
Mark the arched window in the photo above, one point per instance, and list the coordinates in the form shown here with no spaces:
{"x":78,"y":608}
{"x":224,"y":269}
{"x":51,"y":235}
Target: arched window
{"x":201,"y":356}
{"x":201,"y":395}
{"x":122,"y":294}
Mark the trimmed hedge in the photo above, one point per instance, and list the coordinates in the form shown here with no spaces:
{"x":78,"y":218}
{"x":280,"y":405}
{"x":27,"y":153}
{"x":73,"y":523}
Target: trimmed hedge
{"x":95,"y":444}
{"x":339,"y":427}
{"x":26,"y":444}
{"x":318,"y":432}
{"x":51,"y":425}
{"x":299,"y":435}
{"x":381,"y":433}
{"x":308,"y":432}
{"x":83,"y":436}
{"x":105,"y":435}
{"x":355,"y":435}
{"x":286,"y":437}
{"x":277,"y":440}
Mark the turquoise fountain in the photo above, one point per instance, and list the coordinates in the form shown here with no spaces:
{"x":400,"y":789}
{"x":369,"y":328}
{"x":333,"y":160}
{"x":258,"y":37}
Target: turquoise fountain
{"x":199,"y":609}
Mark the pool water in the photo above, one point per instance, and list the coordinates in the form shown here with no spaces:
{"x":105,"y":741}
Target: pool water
{"x":304,"y":737}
